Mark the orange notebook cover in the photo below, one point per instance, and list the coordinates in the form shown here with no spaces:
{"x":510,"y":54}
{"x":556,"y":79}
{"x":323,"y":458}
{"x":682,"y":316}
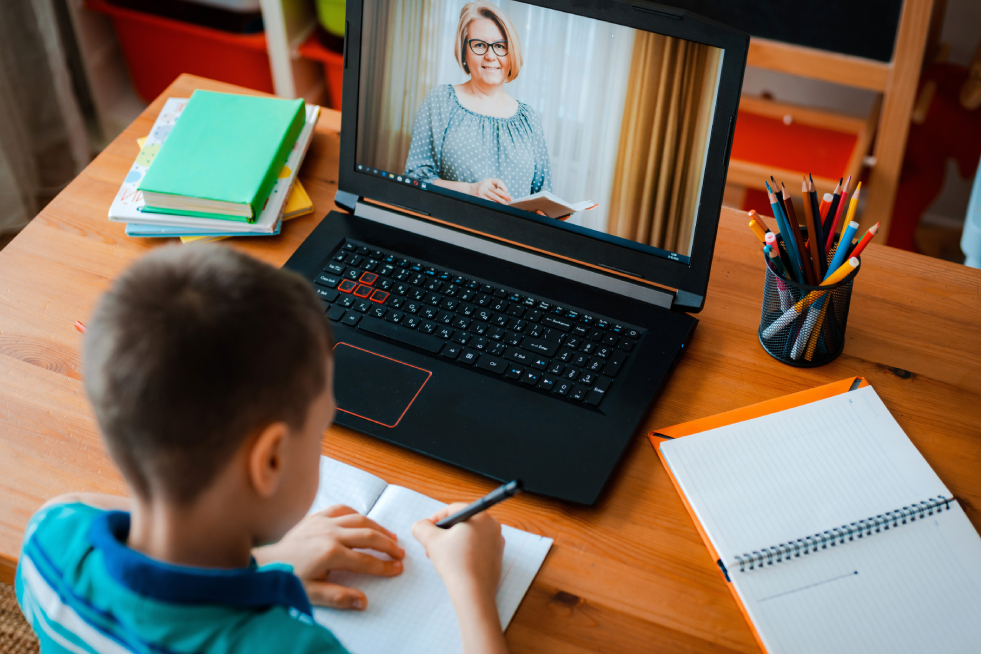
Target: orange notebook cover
{"x":731,"y":417}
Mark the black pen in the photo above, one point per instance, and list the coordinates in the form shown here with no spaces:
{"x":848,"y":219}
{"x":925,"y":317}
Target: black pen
{"x":499,"y":494}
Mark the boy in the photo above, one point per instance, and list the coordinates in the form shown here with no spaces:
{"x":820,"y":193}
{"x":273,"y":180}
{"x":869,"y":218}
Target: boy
{"x":210,"y":376}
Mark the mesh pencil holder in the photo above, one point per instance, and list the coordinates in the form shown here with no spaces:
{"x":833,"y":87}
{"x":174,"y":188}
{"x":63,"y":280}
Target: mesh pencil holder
{"x":803,"y":325}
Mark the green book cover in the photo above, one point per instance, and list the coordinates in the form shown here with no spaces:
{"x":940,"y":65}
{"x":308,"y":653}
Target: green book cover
{"x":223,"y":156}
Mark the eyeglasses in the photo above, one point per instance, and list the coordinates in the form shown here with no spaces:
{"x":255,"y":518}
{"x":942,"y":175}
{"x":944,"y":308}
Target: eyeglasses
{"x":479,"y":47}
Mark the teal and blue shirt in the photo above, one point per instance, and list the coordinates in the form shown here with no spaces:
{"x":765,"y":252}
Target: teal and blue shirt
{"x":83,"y":590}
{"x":452,"y":143}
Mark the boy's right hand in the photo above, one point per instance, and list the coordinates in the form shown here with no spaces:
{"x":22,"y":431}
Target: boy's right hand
{"x":468,"y":555}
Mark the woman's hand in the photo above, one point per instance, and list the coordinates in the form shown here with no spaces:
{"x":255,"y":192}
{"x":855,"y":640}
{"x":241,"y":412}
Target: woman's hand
{"x":326,"y":541}
{"x":491,"y":189}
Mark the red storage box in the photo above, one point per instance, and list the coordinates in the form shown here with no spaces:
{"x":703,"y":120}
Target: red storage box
{"x":158,"y":49}
{"x":333,"y":63}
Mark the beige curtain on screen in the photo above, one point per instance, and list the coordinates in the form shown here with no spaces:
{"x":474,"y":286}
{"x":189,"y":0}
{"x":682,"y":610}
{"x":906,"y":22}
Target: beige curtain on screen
{"x":662,"y":142}
{"x":400,"y":66}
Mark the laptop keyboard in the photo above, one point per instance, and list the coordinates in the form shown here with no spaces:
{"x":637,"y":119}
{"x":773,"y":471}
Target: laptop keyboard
{"x":527,"y":340}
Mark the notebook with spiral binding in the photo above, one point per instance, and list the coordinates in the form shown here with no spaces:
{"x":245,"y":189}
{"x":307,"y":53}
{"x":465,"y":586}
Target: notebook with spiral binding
{"x":832,"y":531}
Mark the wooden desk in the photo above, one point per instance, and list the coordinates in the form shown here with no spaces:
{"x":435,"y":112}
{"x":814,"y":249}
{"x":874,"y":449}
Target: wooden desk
{"x":628,"y":575}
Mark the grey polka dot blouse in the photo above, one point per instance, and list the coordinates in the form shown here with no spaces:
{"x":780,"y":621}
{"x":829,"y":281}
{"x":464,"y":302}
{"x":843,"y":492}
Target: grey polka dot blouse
{"x":452,"y":143}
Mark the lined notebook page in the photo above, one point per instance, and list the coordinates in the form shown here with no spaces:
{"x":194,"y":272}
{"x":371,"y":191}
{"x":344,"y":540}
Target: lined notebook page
{"x":799,"y":472}
{"x":412,"y":612}
{"x":347,"y":485}
{"x":914,"y":588}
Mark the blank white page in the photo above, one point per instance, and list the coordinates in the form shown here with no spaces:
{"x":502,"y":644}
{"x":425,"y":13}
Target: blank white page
{"x":412,"y":612}
{"x":799,"y":472}
{"x":914,"y":588}
{"x":347,"y":485}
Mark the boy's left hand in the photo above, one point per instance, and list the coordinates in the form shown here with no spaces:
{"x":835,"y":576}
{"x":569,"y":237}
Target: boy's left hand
{"x":326,"y":541}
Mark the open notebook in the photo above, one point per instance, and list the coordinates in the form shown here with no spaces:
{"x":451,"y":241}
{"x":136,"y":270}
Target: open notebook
{"x":833,"y":530}
{"x":411,"y":612}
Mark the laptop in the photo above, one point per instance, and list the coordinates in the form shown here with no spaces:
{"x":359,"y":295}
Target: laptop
{"x":531,"y":192}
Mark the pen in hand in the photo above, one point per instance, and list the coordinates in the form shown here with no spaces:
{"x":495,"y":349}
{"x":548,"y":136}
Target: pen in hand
{"x":499,"y":494}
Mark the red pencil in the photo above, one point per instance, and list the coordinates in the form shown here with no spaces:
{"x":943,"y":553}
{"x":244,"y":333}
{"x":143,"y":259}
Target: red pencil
{"x":842,"y":203}
{"x":865,"y":240}
{"x":79,"y":326}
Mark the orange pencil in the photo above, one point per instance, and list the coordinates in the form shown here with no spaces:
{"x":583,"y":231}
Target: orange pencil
{"x":865,"y":240}
{"x":79,"y":326}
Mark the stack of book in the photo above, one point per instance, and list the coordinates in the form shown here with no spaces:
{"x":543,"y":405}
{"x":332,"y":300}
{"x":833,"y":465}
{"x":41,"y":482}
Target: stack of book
{"x":218,"y":165}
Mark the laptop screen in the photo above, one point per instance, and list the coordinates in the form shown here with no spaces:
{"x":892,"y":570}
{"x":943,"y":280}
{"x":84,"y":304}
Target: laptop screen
{"x":581,"y":124}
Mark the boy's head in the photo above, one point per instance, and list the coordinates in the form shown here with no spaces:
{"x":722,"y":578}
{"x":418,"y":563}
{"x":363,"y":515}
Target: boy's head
{"x":193,"y":356}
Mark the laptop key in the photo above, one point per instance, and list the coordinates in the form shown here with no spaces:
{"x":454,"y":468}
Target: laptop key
{"x":514,"y":354}
{"x":598,"y":392}
{"x":411,"y":321}
{"x":400,"y":334}
{"x":540,"y":346}
{"x":378,"y":311}
{"x":451,"y":350}
{"x":571,"y":373}
{"x":479,"y":343}
{"x":336,"y":313}
{"x":596,"y":365}
{"x":325,"y":294}
{"x":547,"y":383}
{"x":514,"y":371}
{"x":557,"y":322}
{"x":613,"y":365}
{"x":351,"y":318}
{"x":445,"y":333}
{"x":562,"y":387}
{"x":445,"y":317}
{"x":531,"y":377}
{"x":468,"y":356}
{"x":497,"y":349}
{"x":336,"y":268}
{"x":428,"y":326}
{"x":539,"y":362}
{"x":328,"y":280}
{"x":394,"y":316}
{"x":493,"y":364}
{"x":587,"y":377}
{"x":556,"y":368}
{"x":578,"y":392}
{"x":362,"y":305}
{"x":626,"y":344}
{"x":513,"y":339}
{"x":461,"y":338}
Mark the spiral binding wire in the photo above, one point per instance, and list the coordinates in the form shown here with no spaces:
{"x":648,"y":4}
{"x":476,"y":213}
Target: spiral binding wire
{"x":838,"y":535}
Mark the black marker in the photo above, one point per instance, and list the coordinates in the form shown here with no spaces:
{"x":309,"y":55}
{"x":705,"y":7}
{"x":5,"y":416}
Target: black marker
{"x":499,"y":494}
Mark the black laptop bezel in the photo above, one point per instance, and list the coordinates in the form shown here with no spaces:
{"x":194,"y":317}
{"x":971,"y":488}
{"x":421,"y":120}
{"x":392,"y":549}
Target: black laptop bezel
{"x":691,"y":278}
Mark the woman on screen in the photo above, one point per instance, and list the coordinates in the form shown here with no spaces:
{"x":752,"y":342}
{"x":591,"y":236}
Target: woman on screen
{"x":473,"y":137}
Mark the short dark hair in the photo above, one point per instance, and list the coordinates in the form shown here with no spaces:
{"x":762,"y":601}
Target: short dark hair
{"x":193,"y":350}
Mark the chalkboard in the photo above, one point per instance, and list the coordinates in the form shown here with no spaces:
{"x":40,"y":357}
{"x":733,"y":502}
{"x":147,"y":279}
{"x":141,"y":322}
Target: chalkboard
{"x":864,"y":28}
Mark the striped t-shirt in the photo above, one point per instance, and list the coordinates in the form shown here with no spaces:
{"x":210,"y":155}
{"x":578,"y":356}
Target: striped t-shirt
{"x":83,"y":590}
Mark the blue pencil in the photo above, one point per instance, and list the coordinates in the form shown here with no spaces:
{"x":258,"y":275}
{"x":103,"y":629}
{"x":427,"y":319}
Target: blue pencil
{"x":788,"y":239}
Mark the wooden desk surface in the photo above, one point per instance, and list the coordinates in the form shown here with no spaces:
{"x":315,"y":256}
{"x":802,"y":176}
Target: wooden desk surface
{"x":627,"y":575}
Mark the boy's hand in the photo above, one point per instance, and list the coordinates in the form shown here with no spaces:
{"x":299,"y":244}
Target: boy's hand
{"x":467,"y":555}
{"x":326,"y":541}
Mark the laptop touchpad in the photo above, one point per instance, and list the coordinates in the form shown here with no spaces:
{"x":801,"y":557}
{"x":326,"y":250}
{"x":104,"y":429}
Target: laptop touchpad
{"x":375,"y":387}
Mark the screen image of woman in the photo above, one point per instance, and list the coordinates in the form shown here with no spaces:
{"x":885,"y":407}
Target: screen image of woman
{"x":473,"y":137}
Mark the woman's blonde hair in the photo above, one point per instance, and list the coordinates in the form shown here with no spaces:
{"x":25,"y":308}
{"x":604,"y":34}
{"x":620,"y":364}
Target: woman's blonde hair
{"x":483,"y":9}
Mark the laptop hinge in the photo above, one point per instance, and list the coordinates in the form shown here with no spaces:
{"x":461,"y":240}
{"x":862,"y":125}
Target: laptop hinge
{"x":659,"y":297}
{"x":346,"y":200}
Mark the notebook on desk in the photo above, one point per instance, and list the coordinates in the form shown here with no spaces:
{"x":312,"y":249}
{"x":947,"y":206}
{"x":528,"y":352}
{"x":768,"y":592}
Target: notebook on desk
{"x":412,"y":612}
{"x":833,"y":532}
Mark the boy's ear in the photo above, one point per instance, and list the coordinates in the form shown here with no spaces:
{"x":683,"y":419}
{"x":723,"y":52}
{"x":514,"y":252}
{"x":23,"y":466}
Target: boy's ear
{"x":265,"y":460}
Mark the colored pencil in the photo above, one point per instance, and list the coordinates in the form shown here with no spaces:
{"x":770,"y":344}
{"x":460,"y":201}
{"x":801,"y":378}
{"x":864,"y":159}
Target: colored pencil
{"x":812,"y":237}
{"x":841,"y":254}
{"x":782,"y":257}
{"x":79,"y":326}
{"x":822,"y":263}
{"x":830,"y":216}
{"x":759,"y":220}
{"x":839,"y":212}
{"x":825,"y":203}
{"x":798,"y":240}
{"x":756,"y":227}
{"x":865,"y":240}
{"x":796,"y":269}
